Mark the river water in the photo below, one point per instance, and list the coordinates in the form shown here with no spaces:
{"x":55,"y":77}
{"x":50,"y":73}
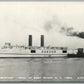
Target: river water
{"x":41,"y":69}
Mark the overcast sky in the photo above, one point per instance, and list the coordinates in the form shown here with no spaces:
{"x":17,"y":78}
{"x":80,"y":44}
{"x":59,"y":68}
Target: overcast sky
{"x":19,"y":19}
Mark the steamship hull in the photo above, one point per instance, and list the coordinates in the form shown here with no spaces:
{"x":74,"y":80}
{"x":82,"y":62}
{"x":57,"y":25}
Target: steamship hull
{"x":31,"y":55}
{"x":28,"y":53}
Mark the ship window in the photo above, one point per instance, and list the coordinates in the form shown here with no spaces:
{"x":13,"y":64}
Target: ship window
{"x":49,"y":51}
{"x":64,"y":51}
{"x":54,"y":51}
{"x":33,"y":51}
{"x":42,"y":51}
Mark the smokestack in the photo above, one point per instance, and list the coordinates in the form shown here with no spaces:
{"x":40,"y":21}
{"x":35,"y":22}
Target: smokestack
{"x":30,"y":40}
{"x":42,"y":40}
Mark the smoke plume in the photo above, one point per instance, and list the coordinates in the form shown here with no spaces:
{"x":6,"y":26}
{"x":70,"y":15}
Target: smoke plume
{"x":70,"y":32}
{"x":51,"y":24}
{"x":54,"y":23}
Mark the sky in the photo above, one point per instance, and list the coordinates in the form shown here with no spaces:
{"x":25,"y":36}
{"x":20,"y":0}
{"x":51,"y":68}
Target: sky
{"x":19,"y":19}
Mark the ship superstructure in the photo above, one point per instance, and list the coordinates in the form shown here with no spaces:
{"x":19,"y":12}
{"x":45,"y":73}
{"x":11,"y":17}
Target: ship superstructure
{"x":9,"y":50}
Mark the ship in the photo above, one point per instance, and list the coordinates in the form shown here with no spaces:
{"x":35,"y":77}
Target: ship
{"x":9,"y":50}
{"x":79,"y":54}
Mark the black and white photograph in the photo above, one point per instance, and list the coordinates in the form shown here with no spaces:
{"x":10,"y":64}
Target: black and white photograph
{"x":41,"y":41}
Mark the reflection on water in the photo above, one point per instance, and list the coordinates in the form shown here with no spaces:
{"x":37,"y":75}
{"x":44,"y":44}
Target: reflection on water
{"x":27,"y":68}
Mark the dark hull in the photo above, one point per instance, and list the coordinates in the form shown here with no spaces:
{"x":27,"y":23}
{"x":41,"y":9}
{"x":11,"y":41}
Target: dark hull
{"x":75,"y":55}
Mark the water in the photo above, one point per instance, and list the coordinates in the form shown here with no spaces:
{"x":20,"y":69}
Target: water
{"x":41,"y":69}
